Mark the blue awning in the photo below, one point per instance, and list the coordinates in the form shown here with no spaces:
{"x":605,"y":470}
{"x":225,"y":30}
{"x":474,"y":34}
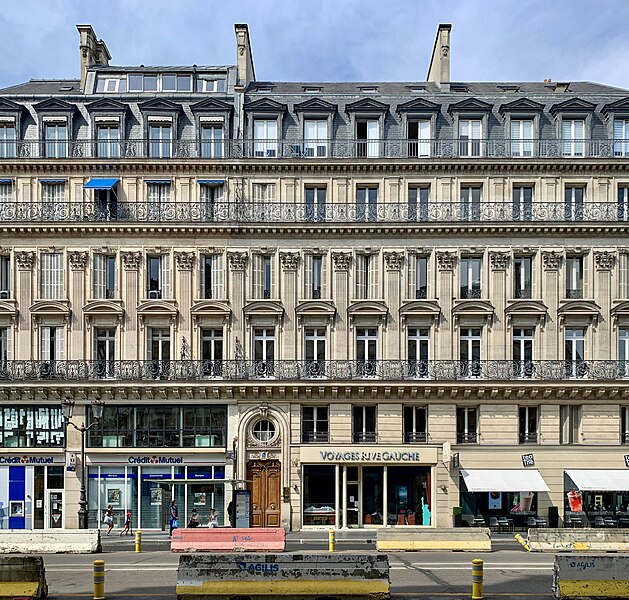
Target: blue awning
{"x":6,"y":180}
{"x":52,"y":180}
{"x":158,"y":181}
{"x":211,"y":181}
{"x":100,"y":184}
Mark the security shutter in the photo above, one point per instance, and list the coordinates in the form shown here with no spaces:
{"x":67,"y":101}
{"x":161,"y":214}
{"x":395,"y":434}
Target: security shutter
{"x":51,"y":272}
{"x":258,"y":276}
{"x":324,"y":276}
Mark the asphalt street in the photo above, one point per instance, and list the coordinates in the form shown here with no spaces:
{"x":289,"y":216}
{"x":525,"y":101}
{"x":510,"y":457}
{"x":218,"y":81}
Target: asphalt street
{"x":509,"y":571}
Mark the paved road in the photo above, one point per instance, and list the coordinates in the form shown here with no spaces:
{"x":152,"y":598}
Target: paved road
{"x":509,"y":572}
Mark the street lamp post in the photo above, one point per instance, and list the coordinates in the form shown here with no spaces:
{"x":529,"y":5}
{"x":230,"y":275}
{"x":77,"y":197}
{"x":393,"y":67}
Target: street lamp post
{"x":68,"y":408}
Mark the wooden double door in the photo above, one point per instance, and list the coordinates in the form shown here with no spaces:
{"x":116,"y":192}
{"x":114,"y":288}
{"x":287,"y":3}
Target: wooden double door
{"x":265,"y":480}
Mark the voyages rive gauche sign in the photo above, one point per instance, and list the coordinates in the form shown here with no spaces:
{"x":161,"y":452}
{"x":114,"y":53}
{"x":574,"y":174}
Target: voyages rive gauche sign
{"x":377,"y":455}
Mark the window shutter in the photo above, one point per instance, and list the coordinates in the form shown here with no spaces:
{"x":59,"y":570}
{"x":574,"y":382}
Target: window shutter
{"x":9,"y":334}
{"x":308,"y":276}
{"x":258,"y":276}
{"x":217,"y":276}
{"x":274,"y":292}
{"x":372,"y":130}
{"x":202,"y":276}
{"x":324,"y":276}
{"x":372,"y":292}
{"x":624,"y":275}
{"x":165,"y":275}
{"x":60,"y":353}
{"x":44,"y":274}
{"x":476,"y":130}
{"x":100,"y":275}
{"x":45,"y":343}
{"x":149,"y":343}
{"x":361,"y":283}
{"x":58,"y":276}
{"x":515,"y":130}
{"x":412,"y":276}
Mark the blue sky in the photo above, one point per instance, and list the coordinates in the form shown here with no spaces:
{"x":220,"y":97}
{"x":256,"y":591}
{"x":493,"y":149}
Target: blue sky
{"x":328,"y":40}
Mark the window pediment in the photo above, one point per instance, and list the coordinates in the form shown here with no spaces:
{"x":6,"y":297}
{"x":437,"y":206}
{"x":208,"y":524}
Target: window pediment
{"x":470,"y":105}
{"x":620,"y":311}
{"x":306,"y":308}
{"x":265,"y":105}
{"x":572,"y":105}
{"x":420,"y":307}
{"x":107,"y":104}
{"x":620,"y":106}
{"x":103,"y":307}
{"x":473,"y":311}
{"x":368,"y":307}
{"x":210,"y":308}
{"x":157,"y":307}
{"x":521,"y":105}
{"x":50,"y":307}
{"x":6,"y":106}
{"x":8,"y":310}
{"x":418,"y":105}
{"x":526,"y":312}
{"x":161,"y":105}
{"x":315,"y":105}
{"x":366,"y":105}
{"x":264,"y":308}
{"x":212,"y":105}
{"x":579,"y":312}
{"x":54,"y":105}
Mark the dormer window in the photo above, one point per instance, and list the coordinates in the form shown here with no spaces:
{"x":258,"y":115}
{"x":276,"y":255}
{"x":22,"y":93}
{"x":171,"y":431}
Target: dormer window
{"x":111,"y":85}
{"x":210,"y":85}
{"x":312,"y":90}
{"x":369,"y":90}
{"x":56,"y":136}
{"x":7,"y":139}
{"x":160,"y":136}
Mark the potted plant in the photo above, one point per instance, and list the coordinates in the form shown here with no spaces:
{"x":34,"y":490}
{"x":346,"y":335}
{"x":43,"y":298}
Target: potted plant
{"x":457,"y":513}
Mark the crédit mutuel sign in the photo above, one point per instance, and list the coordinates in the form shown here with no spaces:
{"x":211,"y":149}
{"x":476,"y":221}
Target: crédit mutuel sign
{"x":156,"y":460}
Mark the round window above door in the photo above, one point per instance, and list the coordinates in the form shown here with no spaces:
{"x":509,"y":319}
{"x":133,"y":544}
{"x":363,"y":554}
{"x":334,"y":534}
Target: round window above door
{"x":264,"y":431}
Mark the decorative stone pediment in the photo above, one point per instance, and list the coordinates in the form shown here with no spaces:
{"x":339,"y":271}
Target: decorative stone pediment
{"x":366,"y":105}
{"x":264,"y":311}
{"x":315,"y":307}
{"x":315,"y":105}
{"x":8,"y":311}
{"x":54,"y":104}
{"x":420,"y":312}
{"x":107,"y":105}
{"x":418,"y":105}
{"x":103,"y":312}
{"x":579,"y":312}
{"x":472,"y":311}
{"x":205,"y":311}
{"x":50,"y":308}
{"x":572,"y":105}
{"x":212,"y":105}
{"x":160,"y":104}
{"x":526,"y":312}
{"x":165,"y":311}
{"x":620,"y":312}
{"x":473,"y":105}
{"x":620,"y":106}
{"x":521,"y":105}
{"x":8,"y":106}
{"x":265,"y":105}
{"x":367,"y":312}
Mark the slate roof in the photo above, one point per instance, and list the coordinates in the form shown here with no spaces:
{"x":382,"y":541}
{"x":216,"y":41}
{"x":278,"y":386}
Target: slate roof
{"x":44,"y":87}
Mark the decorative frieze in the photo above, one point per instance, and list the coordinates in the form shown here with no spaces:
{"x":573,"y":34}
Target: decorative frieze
{"x":393,"y":260}
{"x":131,"y":260}
{"x":290,"y":260}
{"x":498,"y":261}
{"x":604,"y":260}
{"x":237,"y":261}
{"x":185,"y":261}
{"x":551,"y":260}
{"x":341,"y":260}
{"x":25,"y":260}
{"x":446,"y":260}
{"x":78,"y":260}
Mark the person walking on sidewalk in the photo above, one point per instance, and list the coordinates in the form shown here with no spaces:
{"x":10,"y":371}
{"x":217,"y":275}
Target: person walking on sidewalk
{"x":109,"y":518}
{"x":127,"y":524}
{"x":174,"y":516}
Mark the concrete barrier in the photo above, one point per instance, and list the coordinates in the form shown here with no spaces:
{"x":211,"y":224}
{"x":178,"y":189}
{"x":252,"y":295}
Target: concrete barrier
{"x":591,"y":576}
{"x":578,"y":540}
{"x":228,"y":540}
{"x":293,"y":575}
{"x":22,"y":577}
{"x":49,"y":541}
{"x":466,"y":539}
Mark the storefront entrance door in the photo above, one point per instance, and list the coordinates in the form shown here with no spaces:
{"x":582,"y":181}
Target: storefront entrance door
{"x":55,"y":509}
{"x":264,"y":482}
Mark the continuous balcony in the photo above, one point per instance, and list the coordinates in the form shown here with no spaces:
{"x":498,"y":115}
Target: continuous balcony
{"x":312,"y":149}
{"x":243,"y":212}
{"x":300,"y":370}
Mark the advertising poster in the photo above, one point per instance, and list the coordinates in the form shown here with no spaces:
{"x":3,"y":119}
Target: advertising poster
{"x":495,"y":501}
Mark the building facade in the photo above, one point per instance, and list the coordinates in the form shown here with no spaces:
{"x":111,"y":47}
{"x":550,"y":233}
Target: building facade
{"x":378,"y":304}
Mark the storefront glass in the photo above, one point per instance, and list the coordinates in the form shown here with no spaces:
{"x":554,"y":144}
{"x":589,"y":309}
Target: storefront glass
{"x":117,"y":486}
{"x":409,"y":496}
{"x":319,"y":495}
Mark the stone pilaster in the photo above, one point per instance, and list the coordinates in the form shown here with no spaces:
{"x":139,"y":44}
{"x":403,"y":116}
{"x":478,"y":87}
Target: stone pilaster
{"x":79,"y":346}
{"x":393,"y":263}
{"x":238,"y":295}
{"x":185,"y":264}
{"x":446,"y":340}
{"x":602,"y":293}
{"x":497,"y":293}
{"x":551,"y":284}
{"x":340,"y":346}
{"x":25,"y":262}
{"x":289,"y":264}
{"x":131,"y":344}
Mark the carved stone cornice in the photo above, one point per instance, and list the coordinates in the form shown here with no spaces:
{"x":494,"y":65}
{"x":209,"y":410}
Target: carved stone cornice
{"x":393,"y":260}
{"x":341,"y":260}
{"x":185,"y":261}
{"x":604,"y":261}
{"x":237,"y":261}
{"x":25,"y":260}
{"x":131,"y":260}
{"x":551,"y":260}
{"x":289,"y":260}
{"x":78,"y":260}
{"x":446,"y":260}
{"x":498,"y":261}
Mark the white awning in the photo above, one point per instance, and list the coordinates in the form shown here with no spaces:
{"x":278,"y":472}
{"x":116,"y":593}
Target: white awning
{"x":504,"y":480}
{"x":600,"y":480}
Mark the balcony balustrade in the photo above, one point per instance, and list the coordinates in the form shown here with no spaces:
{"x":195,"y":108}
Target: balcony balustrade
{"x":298,"y":212}
{"x":301,"y":370}
{"x":529,"y":438}
{"x":312,"y":149}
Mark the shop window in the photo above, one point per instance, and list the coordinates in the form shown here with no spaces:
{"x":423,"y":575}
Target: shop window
{"x":418,"y":339}
{"x":314,"y":424}
{"x":570,"y":424}
{"x":31,"y":427}
{"x":319,"y":486}
{"x":415,"y":425}
{"x":364,"y":424}
{"x":264,"y":431}
{"x":466,"y":425}
{"x":523,"y":280}
{"x":528,"y":425}
{"x":624,"y":425}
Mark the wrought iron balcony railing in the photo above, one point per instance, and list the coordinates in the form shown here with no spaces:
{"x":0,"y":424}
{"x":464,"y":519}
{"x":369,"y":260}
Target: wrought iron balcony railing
{"x":312,"y":149}
{"x":296,"y":370}
{"x":471,"y":437}
{"x":418,"y":437}
{"x":365,"y":437}
{"x":314,"y":437}
{"x":299,"y":212}
{"x":529,"y":438}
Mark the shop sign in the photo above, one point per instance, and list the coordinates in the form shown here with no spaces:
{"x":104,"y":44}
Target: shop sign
{"x":370,"y":454}
{"x":71,"y":461}
{"x":149,"y":460}
{"x":528,"y":460}
{"x":156,"y":460}
{"x":29,"y":460}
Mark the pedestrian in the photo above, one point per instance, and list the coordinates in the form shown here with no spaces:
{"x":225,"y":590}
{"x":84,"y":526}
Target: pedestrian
{"x":127,"y":524}
{"x":230,"y":513}
{"x":109,"y":518}
{"x":194,"y":519}
{"x":174,"y":516}
{"x":213,"y":520}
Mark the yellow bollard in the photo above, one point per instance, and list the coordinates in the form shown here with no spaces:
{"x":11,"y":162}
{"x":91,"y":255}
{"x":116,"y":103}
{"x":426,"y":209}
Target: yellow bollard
{"x":138,"y":541}
{"x":477,"y":579}
{"x":99,"y":580}
{"x":522,"y":542}
{"x":331,"y":540}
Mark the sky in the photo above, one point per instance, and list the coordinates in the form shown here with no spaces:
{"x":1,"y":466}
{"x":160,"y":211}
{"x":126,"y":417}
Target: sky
{"x":327,"y":40}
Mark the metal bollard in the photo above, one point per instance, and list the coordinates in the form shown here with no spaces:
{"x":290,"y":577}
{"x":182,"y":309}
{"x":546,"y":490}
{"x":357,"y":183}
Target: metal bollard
{"x":138,"y":541}
{"x":522,"y":542}
{"x":477,"y":579}
{"x":99,"y":580}
{"x":331,"y":540}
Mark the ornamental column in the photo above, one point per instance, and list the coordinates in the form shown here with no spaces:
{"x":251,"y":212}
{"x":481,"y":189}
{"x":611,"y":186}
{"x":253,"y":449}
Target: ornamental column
{"x":445,"y":342}
{"x":185,"y":265}
{"x":340,"y":343}
{"x":290,"y":262}
{"x":602,"y":293}
{"x":498,"y":262}
{"x":393,"y":298}
{"x":79,"y":345}
{"x":23,"y":348}
{"x":237,"y":339}
{"x":552,"y":348}
{"x":130,"y":294}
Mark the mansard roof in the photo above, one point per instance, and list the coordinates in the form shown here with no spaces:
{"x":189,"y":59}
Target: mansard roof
{"x":521,"y":105}
{"x":366,"y":105}
{"x":315,"y":105}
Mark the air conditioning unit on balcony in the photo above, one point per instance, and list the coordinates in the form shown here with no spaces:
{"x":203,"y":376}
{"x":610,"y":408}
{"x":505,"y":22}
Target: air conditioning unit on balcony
{"x":5,"y":294}
{"x":155,"y":294}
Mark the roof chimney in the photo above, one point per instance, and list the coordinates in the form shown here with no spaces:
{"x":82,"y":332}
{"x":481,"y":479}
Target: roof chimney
{"x":246,"y":72}
{"x":93,"y":51}
{"x":439,"y":70}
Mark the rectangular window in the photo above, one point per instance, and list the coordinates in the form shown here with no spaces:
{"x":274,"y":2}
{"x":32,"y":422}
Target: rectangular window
{"x":315,"y":351}
{"x":263,"y":280}
{"x":314,"y":276}
{"x":573,"y":137}
{"x":211,"y":199}
{"x":419,"y":138}
{"x":470,"y":134}
{"x":104,"y":276}
{"x":523,"y":351}
{"x":150,"y":83}
{"x":160,"y":140}
{"x":158,"y":352}
{"x":367,"y":204}
{"x":624,"y":424}
{"x":368,"y":138}
{"x":623,"y":352}
{"x":105,"y":352}
{"x":314,"y":424}
{"x":366,"y":276}
{"x":415,"y":425}
{"x":364,"y":424}
{"x":316,"y":138}
{"x":575,"y":352}
{"x":108,"y":141}
{"x":158,"y":199}
{"x":6,"y":193}
{"x":417,"y":277}
{"x":623,"y":202}
{"x":5,"y":277}
{"x":366,"y":351}
{"x":212,"y":278}
{"x":521,"y":137}
{"x":418,"y":198}
{"x":418,"y":339}
{"x":212,"y":141}
{"x":522,"y":203}
{"x":528,"y":425}
{"x":136,"y":83}
{"x":158,"y":277}
{"x":574,"y":197}
{"x":208,"y":84}
{"x":6,"y":346}
{"x":621,"y":137}
{"x":315,"y":203}
{"x":466,"y":425}
{"x":574,"y":277}
{"x":469,"y":351}
{"x":53,"y":198}
{"x":212,"y":352}
{"x":52,"y":350}
{"x":32,"y":427}
{"x":264,"y":351}
{"x":470,"y":202}
{"x":56,"y":136}
{"x":7,"y":140}
{"x":623,"y":275}
{"x":51,"y":283}
{"x":523,"y":277}
{"x":470,"y":268}
{"x":265,"y":138}
{"x":569,"y":424}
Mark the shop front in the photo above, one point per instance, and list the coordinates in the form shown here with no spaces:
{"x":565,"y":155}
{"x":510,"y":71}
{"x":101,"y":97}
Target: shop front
{"x":367,"y":486}
{"x":144,"y":485}
{"x":32,"y":491}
